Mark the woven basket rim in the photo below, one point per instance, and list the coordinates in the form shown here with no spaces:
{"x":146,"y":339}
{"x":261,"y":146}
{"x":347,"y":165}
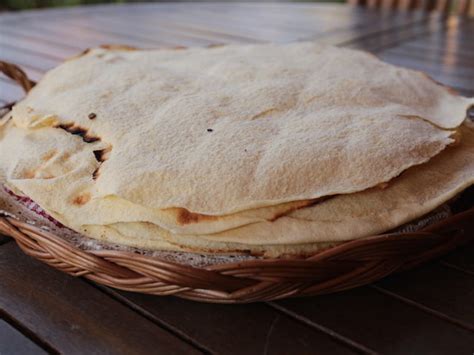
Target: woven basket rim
{"x":344,"y":266}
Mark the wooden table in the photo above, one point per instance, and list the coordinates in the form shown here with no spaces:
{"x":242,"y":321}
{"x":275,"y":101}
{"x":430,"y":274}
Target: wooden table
{"x":429,"y":310}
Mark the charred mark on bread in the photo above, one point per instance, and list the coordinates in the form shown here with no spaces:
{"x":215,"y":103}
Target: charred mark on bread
{"x":101,"y":155}
{"x":79,"y":131}
{"x":95,"y":173}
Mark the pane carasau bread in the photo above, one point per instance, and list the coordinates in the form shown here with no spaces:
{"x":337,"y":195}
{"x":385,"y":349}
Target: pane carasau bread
{"x":268,"y":149}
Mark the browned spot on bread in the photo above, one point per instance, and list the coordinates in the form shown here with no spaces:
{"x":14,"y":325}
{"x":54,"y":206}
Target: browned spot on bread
{"x":29,"y":174}
{"x":186,"y":217}
{"x":264,"y":113}
{"x":121,"y":47}
{"x":49,"y":155}
{"x":301,"y":204}
{"x":215,"y":45}
{"x":48,"y":176}
{"x":37,"y":171}
{"x":82,"y":199}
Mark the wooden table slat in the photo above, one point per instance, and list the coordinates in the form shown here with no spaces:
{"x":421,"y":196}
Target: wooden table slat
{"x":172,"y":32}
{"x":383,"y":323}
{"x":39,"y":63}
{"x":388,"y":39}
{"x":247,"y":329}
{"x":71,"y":315}
{"x":447,"y":79}
{"x":29,"y":44}
{"x":84,"y":30}
{"x":442,"y":289}
{"x":421,"y":44}
{"x":34,"y":66}
{"x":12,"y":342}
{"x":20,"y":32}
{"x":443,"y":69}
{"x":9,"y":90}
{"x":62,"y":37}
{"x":453,"y":59}
{"x":462,"y":258}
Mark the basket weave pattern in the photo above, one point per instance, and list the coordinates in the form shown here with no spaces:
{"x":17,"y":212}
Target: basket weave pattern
{"x":346,"y":266}
{"x":342,"y":267}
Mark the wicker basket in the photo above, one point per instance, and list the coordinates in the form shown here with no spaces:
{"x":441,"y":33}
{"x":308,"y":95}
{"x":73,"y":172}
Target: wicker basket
{"x":339,"y":268}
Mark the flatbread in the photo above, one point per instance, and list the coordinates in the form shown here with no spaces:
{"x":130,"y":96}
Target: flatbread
{"x":148,"y":236}
{"x":341,"y":218}
{"x":222,"y":130}
{"x":70,"y":167}
{"x":415,"y":193}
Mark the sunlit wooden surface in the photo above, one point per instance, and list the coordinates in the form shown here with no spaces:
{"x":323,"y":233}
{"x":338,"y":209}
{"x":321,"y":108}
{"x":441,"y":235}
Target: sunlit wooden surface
{"x":459,"y":7}
{"x":425,"y":311}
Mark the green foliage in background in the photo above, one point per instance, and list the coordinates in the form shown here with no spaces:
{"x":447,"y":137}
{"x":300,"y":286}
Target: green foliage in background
{"x":32,"y":4}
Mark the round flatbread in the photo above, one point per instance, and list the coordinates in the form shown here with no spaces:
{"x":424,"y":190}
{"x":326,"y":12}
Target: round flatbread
{"x":202,"y":141}
{"x":415,"y":193}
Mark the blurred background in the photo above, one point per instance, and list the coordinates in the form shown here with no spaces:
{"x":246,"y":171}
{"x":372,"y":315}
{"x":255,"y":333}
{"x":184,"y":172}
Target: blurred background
{"x":15,"y":5}
{"x":31,"y":4}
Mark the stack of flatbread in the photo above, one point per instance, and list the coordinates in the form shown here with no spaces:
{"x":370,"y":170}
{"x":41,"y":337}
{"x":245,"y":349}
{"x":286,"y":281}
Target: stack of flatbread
{"x":268,"y":149}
